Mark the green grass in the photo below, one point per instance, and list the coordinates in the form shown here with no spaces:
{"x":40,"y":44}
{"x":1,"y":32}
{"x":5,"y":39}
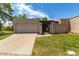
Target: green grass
{"x":56,"y":45}
{"x":6,"y":31}
{"x":4,"y":34}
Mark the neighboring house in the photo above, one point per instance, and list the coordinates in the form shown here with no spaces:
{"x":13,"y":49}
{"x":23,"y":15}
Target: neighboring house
{"x":74,"y":23}
{"x":50,"y":26}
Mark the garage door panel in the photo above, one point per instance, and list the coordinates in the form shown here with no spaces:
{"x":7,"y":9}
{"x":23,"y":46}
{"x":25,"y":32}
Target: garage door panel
{"x":27,"y":27}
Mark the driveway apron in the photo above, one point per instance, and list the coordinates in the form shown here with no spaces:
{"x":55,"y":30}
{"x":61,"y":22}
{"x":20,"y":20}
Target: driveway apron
{"x":18,"y":44}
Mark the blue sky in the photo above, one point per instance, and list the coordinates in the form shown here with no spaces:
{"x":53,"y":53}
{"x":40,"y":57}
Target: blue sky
{"x":50,"y":10}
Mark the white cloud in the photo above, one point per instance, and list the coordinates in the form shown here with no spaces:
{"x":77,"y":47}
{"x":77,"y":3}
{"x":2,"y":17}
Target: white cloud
{"x":23,"y":8}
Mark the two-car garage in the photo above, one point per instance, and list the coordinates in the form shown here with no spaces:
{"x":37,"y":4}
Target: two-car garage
{"x":29,"y":26}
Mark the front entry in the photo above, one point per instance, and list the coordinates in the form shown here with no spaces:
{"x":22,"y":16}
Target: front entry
{"x":45,"y":27}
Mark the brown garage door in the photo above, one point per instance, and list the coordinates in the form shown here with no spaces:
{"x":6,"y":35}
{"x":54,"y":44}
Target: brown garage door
{"x":23,"y":27}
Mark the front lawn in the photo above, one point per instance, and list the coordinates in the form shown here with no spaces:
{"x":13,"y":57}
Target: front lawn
{"x":4,"y":34}
{"x":56,"y":45}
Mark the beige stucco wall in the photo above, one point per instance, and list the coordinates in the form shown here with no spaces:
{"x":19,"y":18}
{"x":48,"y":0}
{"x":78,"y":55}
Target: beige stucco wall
{"x":40,"y":28}
{"x":59,"y":28}
{"x":62,"y":27}
{"x":66,"y":23}
{"x":52,"y":28}
{"x":74,"y":23}
{"x":24,"y":25}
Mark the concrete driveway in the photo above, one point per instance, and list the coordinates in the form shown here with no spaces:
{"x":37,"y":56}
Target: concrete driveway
{"x":17,"y":44}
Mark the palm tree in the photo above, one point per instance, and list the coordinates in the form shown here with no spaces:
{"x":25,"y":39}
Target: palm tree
{"x":5,"y":11}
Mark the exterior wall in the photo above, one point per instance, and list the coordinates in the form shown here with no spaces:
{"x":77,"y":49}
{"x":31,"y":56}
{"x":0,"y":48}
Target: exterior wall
{"x":74,"y":23}
{"x":66,"y":23}
{"x":40,"y":28}
{"x":52,"y":28}
{"x":22,"y":26}
{"x":62,"y":27}
{"x":59,"y":28}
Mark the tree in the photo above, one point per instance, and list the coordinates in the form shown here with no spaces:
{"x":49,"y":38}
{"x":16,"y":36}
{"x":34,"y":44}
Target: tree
{"x":44,"y":19}
{"x":1,"y":25}
{"x":21,"y":16}
{"x":5,"y":11}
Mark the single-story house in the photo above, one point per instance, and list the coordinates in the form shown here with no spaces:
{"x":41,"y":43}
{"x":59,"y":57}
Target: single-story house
{"x":50,"y":26}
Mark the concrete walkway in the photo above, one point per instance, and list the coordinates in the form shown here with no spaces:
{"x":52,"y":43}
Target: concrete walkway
{"x":44,"y":35}
{"x":17,"y":44}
